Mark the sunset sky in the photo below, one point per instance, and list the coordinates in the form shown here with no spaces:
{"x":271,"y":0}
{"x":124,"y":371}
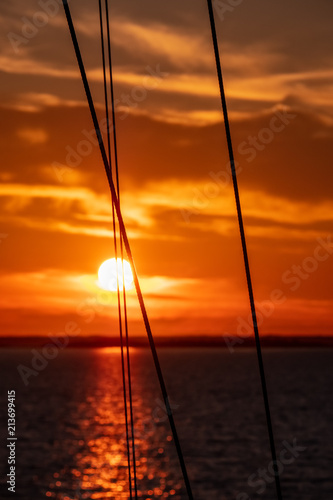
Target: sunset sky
{"x":176,"y":195}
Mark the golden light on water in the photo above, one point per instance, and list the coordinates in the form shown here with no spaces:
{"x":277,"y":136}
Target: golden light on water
{"x":113,"y":273}
{"x":96,"y":436}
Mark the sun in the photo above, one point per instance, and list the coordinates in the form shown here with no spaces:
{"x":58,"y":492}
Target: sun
{"x":107,"y":275}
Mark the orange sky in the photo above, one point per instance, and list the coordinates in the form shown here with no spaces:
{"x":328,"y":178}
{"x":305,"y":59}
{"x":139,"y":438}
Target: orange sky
{"x":176,"y":194}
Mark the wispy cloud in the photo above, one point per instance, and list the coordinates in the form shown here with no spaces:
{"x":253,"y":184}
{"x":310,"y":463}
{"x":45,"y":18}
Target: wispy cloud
{"x":142,"y":209}
{"x":33,"y":135}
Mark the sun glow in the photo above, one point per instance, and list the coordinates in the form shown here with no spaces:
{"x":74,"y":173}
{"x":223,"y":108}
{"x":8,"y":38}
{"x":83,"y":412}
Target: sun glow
{"x":108,"y":271}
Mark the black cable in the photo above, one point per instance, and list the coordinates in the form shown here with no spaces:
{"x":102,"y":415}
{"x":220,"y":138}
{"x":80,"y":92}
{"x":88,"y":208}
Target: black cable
{"x":244,"y":248}
{"x":121,"y":248}
{"x":128,"y":249}
{"x":116,"y":256}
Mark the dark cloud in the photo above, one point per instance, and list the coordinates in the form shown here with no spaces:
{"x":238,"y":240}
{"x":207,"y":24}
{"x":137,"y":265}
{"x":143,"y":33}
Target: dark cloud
{"x":294,"y":163}
{"x":278,"y":37}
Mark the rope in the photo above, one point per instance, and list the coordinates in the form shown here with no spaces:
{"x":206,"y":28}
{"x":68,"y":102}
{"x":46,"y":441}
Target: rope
{"x":116,"y":256}
{"x":127,"y":248}
{"x":121,"y":247}
{"x":244,"y":248}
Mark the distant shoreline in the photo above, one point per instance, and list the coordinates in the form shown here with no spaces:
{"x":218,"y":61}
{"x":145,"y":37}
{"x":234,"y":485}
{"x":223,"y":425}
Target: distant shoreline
{"x":173,"y":342}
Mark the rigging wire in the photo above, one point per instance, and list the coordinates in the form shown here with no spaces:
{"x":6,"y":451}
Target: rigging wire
{"x":116,"y":254}
{"x":128,"y":248}
{"x":244,"y":249}
{"x":121,"y":245}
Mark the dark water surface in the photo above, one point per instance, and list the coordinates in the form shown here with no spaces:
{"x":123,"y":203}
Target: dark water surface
{"x":71,"y":437}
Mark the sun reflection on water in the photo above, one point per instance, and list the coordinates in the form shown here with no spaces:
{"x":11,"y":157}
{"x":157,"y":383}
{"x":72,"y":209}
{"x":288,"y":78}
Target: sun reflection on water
{"x":95,"y":438}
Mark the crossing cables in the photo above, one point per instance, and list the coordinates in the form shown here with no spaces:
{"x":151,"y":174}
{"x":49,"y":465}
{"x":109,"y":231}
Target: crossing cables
{"x":124,"y":236}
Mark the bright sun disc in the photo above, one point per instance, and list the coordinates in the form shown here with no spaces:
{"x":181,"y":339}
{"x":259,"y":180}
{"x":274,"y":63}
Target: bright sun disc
{"x":107,"y":275}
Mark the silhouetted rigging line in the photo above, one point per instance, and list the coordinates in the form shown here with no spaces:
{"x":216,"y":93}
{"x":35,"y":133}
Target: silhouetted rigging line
{"x":121,"y":244}
{"x":116,"y":256}
{"x":244,"y":248}
{"x":128,"y":249}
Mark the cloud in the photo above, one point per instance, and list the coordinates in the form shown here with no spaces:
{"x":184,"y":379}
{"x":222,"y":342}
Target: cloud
{"x":33,"y":135}
{"x":36,"y":102}
{"x":166,"y":43}
{"x":166,"y":158}
{"x":25,"y":65}
{"x":259,"y":65}
{"x":81,"y":211}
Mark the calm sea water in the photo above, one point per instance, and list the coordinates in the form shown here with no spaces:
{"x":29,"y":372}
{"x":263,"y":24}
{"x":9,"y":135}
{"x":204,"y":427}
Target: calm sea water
{"x":70,"y":425}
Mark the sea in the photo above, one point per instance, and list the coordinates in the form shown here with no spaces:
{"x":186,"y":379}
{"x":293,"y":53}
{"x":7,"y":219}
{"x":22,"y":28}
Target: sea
{"x":71,"y":435}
